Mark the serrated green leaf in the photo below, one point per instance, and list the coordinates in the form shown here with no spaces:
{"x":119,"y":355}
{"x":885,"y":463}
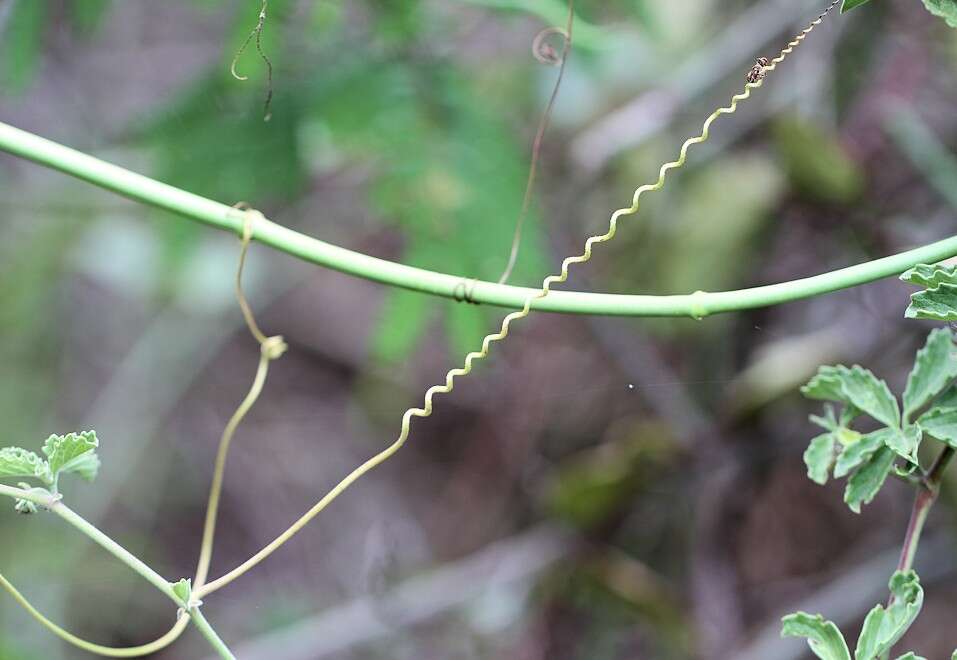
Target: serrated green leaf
{"x":858,"y":387}
{"x":848,"y":5}
{"x":935,"y":365}
{"x":819,"y":457}
{"x":884,"y":628}
{"x":930,"y":275}
{"x":18,"y":462}
{"x":908,"y":598}
{"x":937,"y":304}
{"x":858,"y":453}
{"x":869,"y":640}
{"x":941,"y":423}
{"x":73,"y":452}
{"x":905,"y":442}
{"x":867,"y":481}
{"x":946,"y":9}
{"x":824,"y":637}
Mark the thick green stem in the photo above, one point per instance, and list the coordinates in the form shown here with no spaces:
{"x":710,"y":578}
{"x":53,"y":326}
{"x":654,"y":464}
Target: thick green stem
{"x":202,"y":625}
{"x":697,"y":305}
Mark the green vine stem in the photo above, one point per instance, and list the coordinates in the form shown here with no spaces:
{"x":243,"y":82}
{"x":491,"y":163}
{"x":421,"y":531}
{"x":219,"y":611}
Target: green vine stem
{"x":53,"y":504}
{"x":202,"y":625}
{"x":697,"y":305}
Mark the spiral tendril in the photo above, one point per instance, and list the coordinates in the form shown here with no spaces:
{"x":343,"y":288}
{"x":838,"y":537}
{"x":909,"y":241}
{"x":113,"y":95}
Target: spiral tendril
{"x":471,"y":358}
{"x":543,"y":51}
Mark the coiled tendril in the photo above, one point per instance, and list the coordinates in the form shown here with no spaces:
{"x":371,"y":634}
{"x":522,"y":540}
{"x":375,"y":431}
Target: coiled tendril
{"x":471,"y":358}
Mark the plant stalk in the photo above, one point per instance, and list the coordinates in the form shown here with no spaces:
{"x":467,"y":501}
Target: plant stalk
{"x":923,"y":501}
{"x":696,"y":305}
{"x":207,"y":630}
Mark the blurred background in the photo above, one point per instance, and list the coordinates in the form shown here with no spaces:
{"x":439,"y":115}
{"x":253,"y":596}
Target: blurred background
{"x":600,"y":487}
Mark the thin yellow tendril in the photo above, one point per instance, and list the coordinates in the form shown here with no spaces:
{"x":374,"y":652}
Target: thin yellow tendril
{"x":426,"y":410}
{"x":110,"y":651}
{"x":270,"y":349}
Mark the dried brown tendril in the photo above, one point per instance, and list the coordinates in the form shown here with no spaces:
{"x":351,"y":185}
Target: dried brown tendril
{"x":545,"y":53}
{"x":257,"y":32}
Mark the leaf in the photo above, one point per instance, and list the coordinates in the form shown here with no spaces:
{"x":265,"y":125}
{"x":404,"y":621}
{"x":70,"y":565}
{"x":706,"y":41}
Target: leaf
{"x":930,"y":276}
{"x":819,"y":457}
{"x":824,"y":638}
{"x":910,"y":655}
{"x":73,"y":453}
{"x":934,"y":367}
{"x":17,"y":462}
{"x":884,"y":628}
{"x":937,"y":304}
{"x":905,"y":442}
{"x":941,"y":423}
{"x":946,"y":9}
{"x":856,"y":386}
{"x":851,"y":4}
{"x":183,"y":589}
{"x":858,"y":453}
{"x":867,"y":481}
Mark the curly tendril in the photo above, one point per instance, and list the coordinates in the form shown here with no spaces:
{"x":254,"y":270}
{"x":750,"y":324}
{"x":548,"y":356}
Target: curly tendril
{"x":257,"y":32}
{"x":545,"y":53}
{"x":471,"y":358}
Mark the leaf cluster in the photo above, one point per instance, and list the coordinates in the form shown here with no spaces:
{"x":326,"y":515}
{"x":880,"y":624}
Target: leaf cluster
{"x":929,"y":409}
{"x":938,"y":300}
{"x":62,"y":454}
{"x":883,"y":627}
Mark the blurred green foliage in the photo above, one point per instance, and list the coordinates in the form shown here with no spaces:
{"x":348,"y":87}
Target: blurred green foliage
{"x":816,"y":162}
{"x":20,"y":49}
